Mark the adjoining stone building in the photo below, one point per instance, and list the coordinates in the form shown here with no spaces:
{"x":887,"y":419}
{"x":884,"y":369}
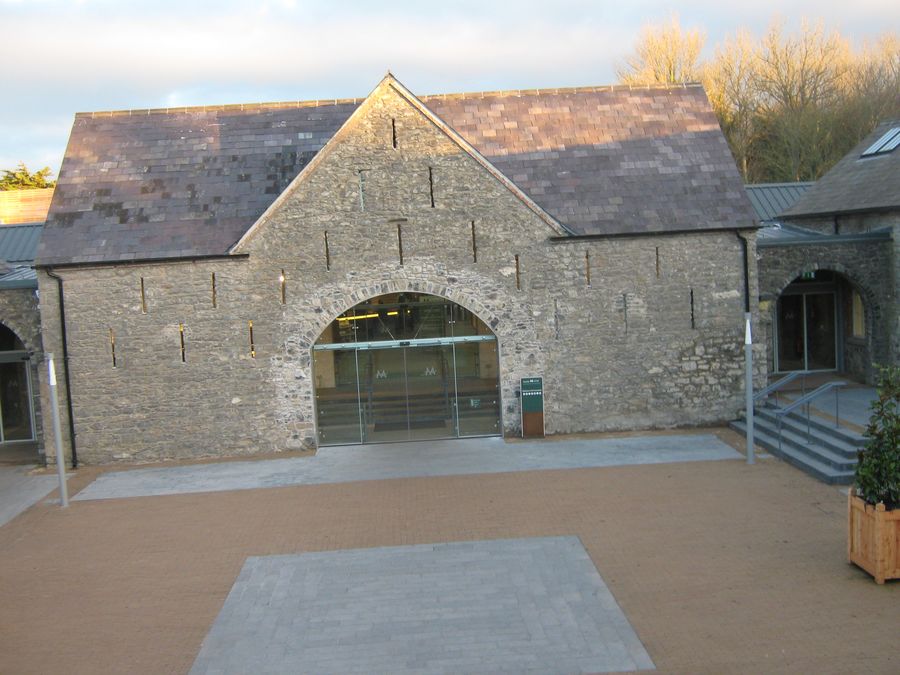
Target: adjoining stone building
{"x":22,"y":215}
{"x":829,"y":274}
{"x":257,"y":278}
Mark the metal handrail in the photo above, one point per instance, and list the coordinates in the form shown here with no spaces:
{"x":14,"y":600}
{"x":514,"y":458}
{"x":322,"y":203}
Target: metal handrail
{"x":775,"y":386}
{"x":805,"y":400}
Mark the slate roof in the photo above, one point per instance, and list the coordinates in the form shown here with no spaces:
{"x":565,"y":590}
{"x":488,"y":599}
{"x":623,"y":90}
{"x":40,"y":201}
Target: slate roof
{"x":189,"y":182}
{"x":855,"y":183}
{"x":771,"y":199}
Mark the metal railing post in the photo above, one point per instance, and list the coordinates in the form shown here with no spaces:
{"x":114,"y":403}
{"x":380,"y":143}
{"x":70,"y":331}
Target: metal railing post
{"x":837,"y":408}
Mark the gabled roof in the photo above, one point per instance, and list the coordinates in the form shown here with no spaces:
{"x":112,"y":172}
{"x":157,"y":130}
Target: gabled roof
{"x":771,"y":199}
{"x":190,"y":182}
{"x":855,"y":184}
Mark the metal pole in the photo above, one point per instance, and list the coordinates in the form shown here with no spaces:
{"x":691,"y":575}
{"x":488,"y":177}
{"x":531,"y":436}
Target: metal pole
{"x":748,"y":377}
{"x":57,"y":434}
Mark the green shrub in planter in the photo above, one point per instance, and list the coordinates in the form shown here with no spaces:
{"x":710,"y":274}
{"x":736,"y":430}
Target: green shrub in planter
{"x":878,"y":471}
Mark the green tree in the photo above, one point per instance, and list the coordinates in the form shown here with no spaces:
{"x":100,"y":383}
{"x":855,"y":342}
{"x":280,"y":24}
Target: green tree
{"x":21,"y":178}
{"x":878,"y":471}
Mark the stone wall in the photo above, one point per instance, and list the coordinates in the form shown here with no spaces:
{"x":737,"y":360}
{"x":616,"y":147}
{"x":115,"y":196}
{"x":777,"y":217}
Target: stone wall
{"x":19,"y":312}
{"x":624,"y":351}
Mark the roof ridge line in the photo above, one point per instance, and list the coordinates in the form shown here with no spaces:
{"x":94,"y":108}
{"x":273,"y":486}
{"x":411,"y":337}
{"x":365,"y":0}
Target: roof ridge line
{"x":587,"y":89}
{"x":314,"y":103}
{"x":224,"y":107}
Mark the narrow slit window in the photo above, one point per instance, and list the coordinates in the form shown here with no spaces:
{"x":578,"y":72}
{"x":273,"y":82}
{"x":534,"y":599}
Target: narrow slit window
{"x":400,"y":242}
{"x":625,"y":310}
{"x":282,"y":282}
{"x":362,"y":190}
{"x":657,"y":262}
{"x":112,"y":347}
{"x":212,"y":282}
{"x":143,"y":297}
{"x":181,"y":337}
{"x":474,"y":245}
{"x":327,"y":253}
{"x":518,"y":275}
{"x":252,"y":343}
{"x":394,"y":133}
{"x":431,"y":185}
{"x":693,"y":319}
{"x":587,"y":268}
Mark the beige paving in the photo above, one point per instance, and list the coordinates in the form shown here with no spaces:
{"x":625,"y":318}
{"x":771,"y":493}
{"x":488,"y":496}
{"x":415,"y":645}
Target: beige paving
{"x":719,"y":567}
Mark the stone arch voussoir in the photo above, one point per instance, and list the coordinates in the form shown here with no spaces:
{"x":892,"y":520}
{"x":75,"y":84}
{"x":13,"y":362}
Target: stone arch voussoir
{"x":464,"y":298}
{"x":872,"y":306}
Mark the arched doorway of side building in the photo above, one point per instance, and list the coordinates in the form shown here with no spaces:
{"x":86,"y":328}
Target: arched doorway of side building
{"x":406,"y":366}
{"x":17,"y":420}
{"x":823,"y":323}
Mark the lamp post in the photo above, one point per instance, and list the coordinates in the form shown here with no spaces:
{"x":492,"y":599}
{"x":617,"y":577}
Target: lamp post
{"x":748,"y":379}
{"x":57,"y":434}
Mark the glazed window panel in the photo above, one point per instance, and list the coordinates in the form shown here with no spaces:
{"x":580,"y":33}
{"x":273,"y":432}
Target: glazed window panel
{"x":858,"y":316}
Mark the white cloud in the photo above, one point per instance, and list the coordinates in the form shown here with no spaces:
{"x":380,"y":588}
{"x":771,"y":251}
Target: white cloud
{"x":103,"y":54}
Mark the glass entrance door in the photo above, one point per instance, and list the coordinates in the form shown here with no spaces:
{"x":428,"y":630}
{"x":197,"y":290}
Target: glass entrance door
{"x":807,"y":332}
{"x":406,"y":366}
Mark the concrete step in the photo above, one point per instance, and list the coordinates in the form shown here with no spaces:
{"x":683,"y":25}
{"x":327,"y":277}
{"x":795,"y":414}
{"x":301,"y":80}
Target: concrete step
{"x":828,"y":438}
{"x":815,"y":420}
{"x":822,"y":464}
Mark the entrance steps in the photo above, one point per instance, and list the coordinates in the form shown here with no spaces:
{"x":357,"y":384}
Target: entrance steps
{"x":825,"y":452}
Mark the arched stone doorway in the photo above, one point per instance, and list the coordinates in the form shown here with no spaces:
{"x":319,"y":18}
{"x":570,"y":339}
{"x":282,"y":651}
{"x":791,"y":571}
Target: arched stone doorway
{"x":17,"y":423}
{"x":823,"y":322}
{"x":406,"y":366}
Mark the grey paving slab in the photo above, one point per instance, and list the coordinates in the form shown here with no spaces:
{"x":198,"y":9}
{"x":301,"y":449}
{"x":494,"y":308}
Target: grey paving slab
{"x":348,"y":463}
{"x":515,"y":605}
{"x":19,"y":490}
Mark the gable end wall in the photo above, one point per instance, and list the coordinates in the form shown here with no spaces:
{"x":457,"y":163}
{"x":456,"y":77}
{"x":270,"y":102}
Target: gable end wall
{"x":620,"y":353}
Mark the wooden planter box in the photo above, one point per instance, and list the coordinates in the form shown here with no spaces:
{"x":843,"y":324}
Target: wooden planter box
{"x":873,"y":541}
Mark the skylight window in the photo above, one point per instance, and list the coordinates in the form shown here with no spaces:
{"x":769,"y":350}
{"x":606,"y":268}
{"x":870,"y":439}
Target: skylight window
{"x":885,"y":144}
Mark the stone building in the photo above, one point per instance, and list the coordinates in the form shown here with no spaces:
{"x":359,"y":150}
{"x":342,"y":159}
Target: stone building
{"x":257,"y":278}
{"x":830,"y":273}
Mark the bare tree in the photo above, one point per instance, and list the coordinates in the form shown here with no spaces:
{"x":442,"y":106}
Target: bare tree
{"x":664,"y":55}
{"x":790,"y":105}
{"x":871,"y":89}
{"x":799,"y":81}
{"x":730,"y":82}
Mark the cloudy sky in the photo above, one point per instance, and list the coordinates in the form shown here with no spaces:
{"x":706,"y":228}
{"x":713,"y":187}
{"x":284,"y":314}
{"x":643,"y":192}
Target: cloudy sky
{"x":62,"y":57}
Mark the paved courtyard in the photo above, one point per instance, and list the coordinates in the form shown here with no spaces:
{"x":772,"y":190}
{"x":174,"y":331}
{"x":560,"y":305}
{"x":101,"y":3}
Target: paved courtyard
{"x":689,"y":566}
{"x":343,"y":464}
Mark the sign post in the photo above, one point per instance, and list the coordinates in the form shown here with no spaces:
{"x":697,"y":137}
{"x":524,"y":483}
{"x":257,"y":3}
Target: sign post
{"x":532,"y":389}
{"x":57,"y":434}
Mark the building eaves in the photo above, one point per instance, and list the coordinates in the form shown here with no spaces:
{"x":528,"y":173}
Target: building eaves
{"x":20,"y":277}
{"x":789,"y":235}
